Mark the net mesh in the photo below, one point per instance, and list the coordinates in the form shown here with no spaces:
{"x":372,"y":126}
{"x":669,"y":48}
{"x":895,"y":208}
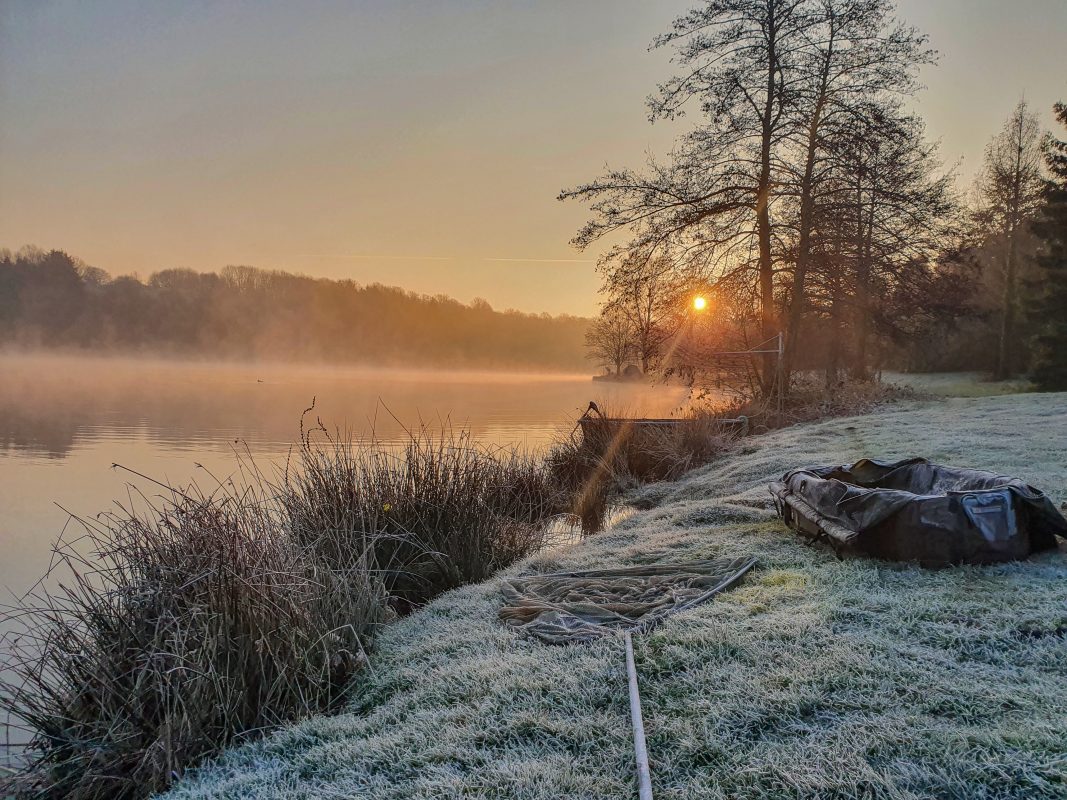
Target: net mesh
{"x":582,"y":606}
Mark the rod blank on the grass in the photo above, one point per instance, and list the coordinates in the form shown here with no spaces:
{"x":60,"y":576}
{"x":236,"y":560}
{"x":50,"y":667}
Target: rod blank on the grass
{"x":644,"y":776}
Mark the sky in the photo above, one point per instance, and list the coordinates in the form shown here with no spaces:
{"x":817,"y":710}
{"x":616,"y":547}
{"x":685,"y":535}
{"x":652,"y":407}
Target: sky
{"x":418,"y":144}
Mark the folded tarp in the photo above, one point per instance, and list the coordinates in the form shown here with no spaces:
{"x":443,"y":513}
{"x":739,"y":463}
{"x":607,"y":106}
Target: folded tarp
{"x":913,"y":510}
{"x":582,"y":606}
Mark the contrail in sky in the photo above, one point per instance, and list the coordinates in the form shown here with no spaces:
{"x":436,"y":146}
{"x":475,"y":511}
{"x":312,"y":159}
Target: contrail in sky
{"x":545,"y":260}
{"x":376,"y":258}
{"x":448,"y":258}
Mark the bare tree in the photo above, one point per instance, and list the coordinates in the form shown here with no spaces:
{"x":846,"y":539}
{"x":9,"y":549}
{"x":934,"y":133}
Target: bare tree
{"x":1050,"y":306}
{"x":803,"y":187}
{"x":738,"y":56}
{"x":610,"y":341}
{"x":649,"y":293}
{"x":1010,"y":189}
{"x":883,"y":216}
{"x":712,"y":203}
{"x":856,"y":52}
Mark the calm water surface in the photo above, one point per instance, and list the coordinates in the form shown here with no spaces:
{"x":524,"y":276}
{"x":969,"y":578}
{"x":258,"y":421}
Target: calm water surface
{"x":65,"y":421}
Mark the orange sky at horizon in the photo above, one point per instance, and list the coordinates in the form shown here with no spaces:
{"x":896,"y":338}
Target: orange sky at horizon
{"x":412,"y":144}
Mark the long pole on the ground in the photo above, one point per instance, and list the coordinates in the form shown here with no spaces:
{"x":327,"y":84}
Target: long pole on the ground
{"x":644,"y":777}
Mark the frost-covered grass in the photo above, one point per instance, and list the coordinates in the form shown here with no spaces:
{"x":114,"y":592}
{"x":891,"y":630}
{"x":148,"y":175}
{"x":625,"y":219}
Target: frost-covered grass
{"x":958,"y":384}
{"x":815,"y":678}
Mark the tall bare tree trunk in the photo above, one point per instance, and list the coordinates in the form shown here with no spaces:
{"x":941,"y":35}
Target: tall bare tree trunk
{"x":807,"y":216}
{"x":800,"y":271}
{"x":1005,"y":363}
{"x":833,"y":361}
{"x":865,"y":234}
{"x":763,"y":216}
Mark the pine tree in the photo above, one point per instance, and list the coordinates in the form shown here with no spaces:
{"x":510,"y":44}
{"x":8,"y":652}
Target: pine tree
{"x":1050,"y":310}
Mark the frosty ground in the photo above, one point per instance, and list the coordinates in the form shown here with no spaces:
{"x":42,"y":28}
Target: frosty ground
{"x":816,"y":678}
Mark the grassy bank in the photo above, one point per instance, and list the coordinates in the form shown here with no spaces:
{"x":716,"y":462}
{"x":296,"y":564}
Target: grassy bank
{"x":816,"y":678}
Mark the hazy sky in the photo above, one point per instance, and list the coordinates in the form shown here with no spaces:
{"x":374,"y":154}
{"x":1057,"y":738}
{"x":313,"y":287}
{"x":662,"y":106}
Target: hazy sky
{"x":414,"y":143}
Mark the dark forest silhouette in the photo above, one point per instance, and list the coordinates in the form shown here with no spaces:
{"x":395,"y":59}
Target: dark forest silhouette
{"x":51,"y":300}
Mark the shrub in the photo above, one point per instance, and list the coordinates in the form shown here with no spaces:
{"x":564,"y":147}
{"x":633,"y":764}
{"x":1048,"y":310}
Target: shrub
{"x":811,"y":398}
{"x":604,"y":458}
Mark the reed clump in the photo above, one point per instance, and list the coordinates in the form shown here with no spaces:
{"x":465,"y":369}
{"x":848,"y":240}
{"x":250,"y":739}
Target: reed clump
{"x":171,"y":632}
{"x":604,"y":458}
{"x":440,"y":511}
{"x":165,"y":635}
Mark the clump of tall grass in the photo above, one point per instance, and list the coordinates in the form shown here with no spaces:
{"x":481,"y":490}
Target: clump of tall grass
{"x":441,"y":510}
{"x":170,"y":633}
{"x":604,"y":457}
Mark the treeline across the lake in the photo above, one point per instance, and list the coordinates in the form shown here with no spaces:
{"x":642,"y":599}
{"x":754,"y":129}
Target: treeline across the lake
{"x":806,"y":208}
{"x":52,"y":300}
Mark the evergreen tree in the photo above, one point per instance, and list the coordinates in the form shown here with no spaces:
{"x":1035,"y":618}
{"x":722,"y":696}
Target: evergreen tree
{"x":1050,"y":310}
{"x":1010,"y":188}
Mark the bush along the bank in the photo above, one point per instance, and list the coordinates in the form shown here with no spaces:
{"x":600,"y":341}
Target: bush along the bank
{"x":606,"y":459}
{"x":210,"y":617}
{"x":440,"y":510}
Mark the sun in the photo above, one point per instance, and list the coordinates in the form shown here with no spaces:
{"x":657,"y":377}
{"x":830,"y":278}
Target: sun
{"x":700,"y":303}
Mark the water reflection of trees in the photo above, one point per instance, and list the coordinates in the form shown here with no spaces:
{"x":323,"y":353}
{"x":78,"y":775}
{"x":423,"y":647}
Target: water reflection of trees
{"x":49,"y":405}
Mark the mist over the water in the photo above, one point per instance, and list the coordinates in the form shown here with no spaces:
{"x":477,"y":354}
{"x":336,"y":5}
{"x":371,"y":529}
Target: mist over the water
{"x":52,"y":300}
{"x":65,"y":420}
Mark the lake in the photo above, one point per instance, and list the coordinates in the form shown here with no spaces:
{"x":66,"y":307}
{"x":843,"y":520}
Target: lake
{"x":65,"y":421}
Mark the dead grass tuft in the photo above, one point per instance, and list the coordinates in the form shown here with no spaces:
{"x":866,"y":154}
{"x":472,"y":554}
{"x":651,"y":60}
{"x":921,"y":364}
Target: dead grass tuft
{"x":811,"y":399}
{"x":604,"y":458}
